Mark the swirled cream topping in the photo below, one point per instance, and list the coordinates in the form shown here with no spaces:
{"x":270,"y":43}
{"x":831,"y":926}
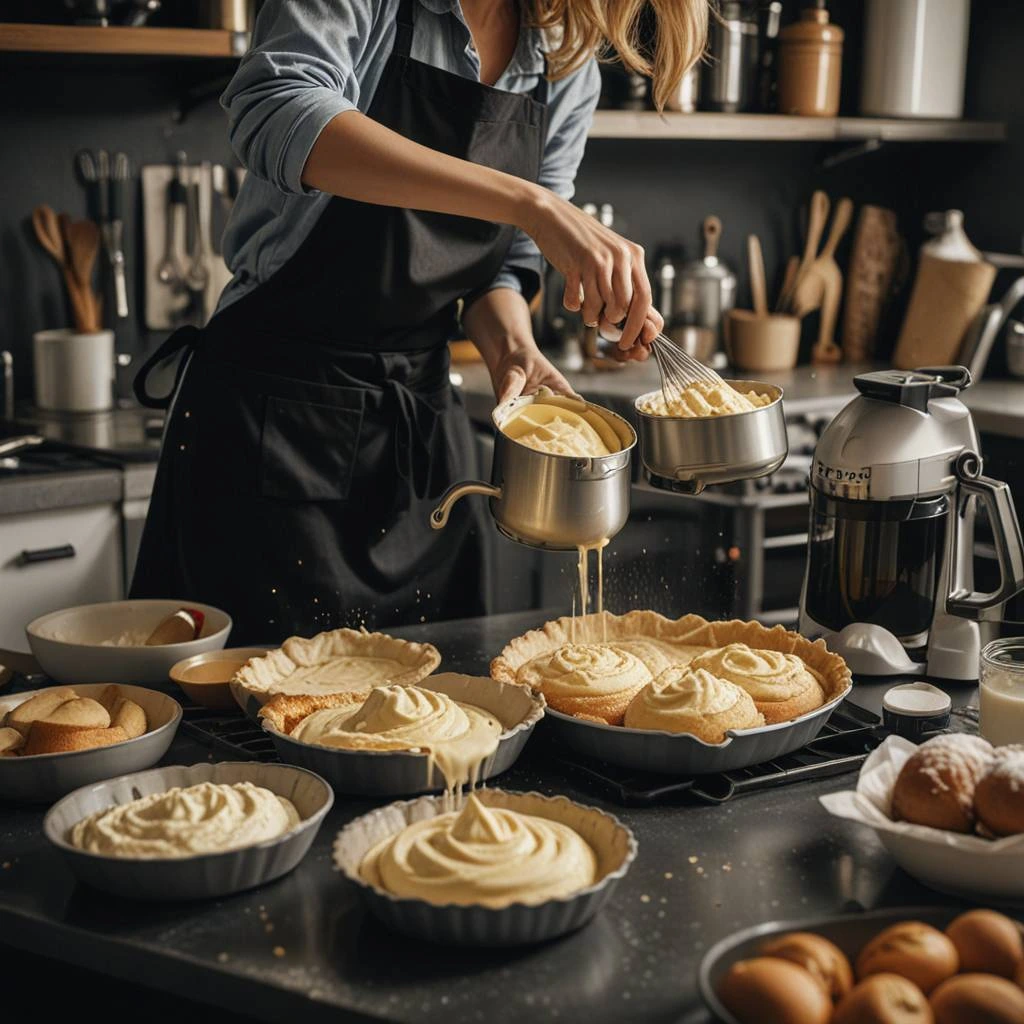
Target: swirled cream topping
{"x":459,"y":737}
{"x":681,"y":696}
{"x":206,"y":818}
{"x":557,"y":432}
{"x":483,"y":855}
{"x":765,"y":675}
{"x":583,"y":669}
{"x":702,"y":399}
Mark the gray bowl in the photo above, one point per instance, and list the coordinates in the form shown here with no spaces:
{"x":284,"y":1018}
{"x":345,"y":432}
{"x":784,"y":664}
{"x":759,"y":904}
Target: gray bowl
{"x":673,"y":753}
{"x":205,"y":876}
{"x":475,"y":925}
{"x":42,"y":778}
{"x":68,"y":644}
{"x":850,"y":932}
{"x":392,"y":773}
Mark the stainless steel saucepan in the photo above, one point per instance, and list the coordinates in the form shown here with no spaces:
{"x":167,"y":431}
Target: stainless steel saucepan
{"x":686,"y":454}
{"x":560,"y":502}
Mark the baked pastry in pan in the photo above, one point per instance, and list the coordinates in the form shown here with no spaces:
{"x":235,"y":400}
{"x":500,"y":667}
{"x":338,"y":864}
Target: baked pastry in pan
{"x":341,"y":661}
{"x":592,"y":668}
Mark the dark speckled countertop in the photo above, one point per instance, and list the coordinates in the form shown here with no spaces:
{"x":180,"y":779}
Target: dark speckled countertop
{"x":303,"y":947}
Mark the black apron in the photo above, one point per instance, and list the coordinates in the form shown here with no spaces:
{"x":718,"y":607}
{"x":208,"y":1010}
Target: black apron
{"x":315,"y":424}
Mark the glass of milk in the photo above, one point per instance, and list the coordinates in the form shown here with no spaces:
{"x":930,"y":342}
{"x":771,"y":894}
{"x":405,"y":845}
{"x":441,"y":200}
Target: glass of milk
{"x":1001,"y":691}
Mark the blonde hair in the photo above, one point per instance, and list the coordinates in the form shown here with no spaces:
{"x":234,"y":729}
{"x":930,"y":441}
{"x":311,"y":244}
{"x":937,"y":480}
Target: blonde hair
{"x":582,"y":28}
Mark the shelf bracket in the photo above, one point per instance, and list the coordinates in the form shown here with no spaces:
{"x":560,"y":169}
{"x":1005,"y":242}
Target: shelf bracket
{"x":862,"y":149}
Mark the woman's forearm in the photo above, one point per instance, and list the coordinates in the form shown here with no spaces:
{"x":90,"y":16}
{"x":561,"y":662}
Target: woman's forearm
{"x":357,"y":158}
{"x":497,"y":323}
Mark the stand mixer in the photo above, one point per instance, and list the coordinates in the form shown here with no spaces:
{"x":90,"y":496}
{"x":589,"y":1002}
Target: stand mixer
{"x":895,"y":484}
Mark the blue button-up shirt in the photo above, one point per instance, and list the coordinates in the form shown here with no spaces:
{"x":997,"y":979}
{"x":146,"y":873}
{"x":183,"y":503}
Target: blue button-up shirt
{"x":312,"y":59}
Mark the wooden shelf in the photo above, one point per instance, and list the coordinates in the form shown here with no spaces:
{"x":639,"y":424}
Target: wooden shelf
{"x":115,"y":40}
{"x":647,"y":124}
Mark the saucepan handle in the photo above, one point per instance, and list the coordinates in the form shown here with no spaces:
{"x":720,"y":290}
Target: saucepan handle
{"x":998,"y":501}
{"x":439,"y":517}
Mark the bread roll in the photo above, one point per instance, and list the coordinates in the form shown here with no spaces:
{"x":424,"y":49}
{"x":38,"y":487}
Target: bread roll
{"x":66,"y":741}
{"x":767,"y":990}
{"x":824,"y":960}
{"x":978,"y":999}
{"x":884,"y":999}
{"x":936,"y":785}
{"x":913,"y":949}
{"x":42,"y":704}
{"x":80,"y":713}
{"x":10,"y":741}
{"x":988,"y":942}
{"x":129,"y":716}
{"x":999,"y":797}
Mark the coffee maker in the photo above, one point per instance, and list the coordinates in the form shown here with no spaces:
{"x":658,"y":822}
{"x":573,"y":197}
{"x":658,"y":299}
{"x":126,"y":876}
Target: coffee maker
{"x":895,"y":486}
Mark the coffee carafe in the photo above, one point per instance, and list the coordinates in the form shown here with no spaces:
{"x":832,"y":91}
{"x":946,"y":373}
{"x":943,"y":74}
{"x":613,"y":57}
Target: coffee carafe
{"x":895,"y":484}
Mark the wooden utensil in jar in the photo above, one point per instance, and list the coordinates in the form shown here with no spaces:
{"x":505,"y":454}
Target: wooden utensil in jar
{"x":788,"y":280}
{"x":815,"y":228}
{"x":829,"y":282}
{"x":758,"y":289}
{"x":82,"y":246}
{"x":47,"y":228}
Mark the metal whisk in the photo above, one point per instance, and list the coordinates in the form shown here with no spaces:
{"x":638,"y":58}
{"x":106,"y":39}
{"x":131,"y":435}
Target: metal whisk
{"x":679,"y":370}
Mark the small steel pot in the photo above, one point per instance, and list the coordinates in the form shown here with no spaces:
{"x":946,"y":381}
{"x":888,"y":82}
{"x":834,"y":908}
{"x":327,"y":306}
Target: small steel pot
{"x":551,"y":501}
{"x":686,"y":454}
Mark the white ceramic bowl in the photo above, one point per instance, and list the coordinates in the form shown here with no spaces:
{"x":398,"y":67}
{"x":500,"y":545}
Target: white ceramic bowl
{"x":206,"y":876}
{"x":69,"y":644}
{"x":42,"y":778}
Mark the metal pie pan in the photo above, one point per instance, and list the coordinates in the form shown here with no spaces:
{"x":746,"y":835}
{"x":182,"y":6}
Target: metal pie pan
{"x":474,"y":925}
{"x":850,"y":932}
{"x":201,"y":877}
{"x":43,"y":778}
{"x":677,"y":753}
{"x":391,"y":773}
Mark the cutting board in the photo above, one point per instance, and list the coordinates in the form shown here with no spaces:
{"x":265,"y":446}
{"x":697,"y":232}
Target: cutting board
{"x":870,"y":280}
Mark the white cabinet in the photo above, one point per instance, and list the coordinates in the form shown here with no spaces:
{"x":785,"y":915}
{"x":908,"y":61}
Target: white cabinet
{"x":56,"y":559}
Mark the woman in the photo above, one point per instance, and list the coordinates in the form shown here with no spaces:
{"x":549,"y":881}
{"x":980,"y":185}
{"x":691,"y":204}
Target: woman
{"x":407,"y":159}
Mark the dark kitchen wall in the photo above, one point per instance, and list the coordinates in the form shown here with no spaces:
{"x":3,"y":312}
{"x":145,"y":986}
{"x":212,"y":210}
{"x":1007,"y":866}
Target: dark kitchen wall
{"x":50,"y":108}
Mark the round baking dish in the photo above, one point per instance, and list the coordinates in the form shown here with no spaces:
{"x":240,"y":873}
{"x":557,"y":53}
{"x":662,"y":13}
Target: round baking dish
{"x":476,"y":925}
{"x":205,"y":876}
{"x":69,"y":644}
{"x":390,"y":773}
{"x":42,"y":778}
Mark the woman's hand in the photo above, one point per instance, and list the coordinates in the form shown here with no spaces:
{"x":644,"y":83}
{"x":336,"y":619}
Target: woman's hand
{"x":605,"y":275}
{"x":523,"y":371}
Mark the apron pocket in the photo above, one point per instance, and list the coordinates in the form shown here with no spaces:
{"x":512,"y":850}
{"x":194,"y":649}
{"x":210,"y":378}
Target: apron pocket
{"x":308,"y":450}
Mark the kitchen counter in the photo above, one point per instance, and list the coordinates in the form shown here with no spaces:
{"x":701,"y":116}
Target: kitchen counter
{"x":304,"y":947}
{"x":27,"y":494}
{"x":997,"y":405}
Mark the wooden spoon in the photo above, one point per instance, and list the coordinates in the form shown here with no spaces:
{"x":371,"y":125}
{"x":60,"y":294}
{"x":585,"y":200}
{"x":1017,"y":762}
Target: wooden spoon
{"x":758,"y":290}
{"x":788,"y":280}
{"x":47,"y":227}
{"x":826,"y":271}
{"x":82,"y":242}
{"x":815,"y":228}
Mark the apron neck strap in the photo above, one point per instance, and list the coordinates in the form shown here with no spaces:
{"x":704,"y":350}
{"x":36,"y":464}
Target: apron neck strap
{"x":403,"y":41}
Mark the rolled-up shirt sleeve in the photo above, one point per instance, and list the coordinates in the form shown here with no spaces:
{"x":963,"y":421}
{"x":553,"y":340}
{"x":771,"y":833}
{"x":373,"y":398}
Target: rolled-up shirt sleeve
{"x":298,"y":75}
{"x":570,"y":111}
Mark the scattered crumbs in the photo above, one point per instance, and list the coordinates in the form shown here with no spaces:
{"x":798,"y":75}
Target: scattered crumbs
{"x":222,"y":958}
{"x":279,"y":951}
{"x":661,"y":913}
{"x":727,"y":866}
{"x":644,"y":898}
{"x":693,"y":860}
{"x":268,"y":927}
{"x":263,"y":914}
{"x":700,"y":871}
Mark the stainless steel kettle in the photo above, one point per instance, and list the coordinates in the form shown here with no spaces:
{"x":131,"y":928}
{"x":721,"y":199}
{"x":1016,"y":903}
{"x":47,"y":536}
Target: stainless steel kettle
{"x":705,"y":288}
